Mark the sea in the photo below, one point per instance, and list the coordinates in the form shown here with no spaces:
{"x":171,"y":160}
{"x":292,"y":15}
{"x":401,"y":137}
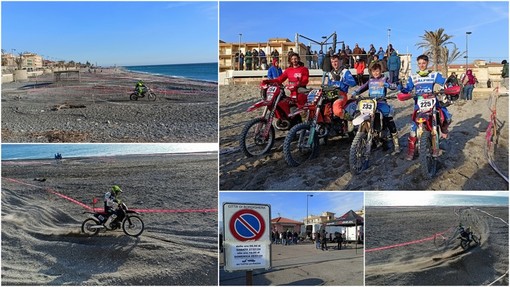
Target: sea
{"x":430,"y":198}
{"x":48,"y":151}
{"x":207,"y":72}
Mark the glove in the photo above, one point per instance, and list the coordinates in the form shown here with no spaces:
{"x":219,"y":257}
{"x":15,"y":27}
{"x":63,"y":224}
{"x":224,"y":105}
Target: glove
{"x":354,"y":94}
{"x":393,"y":86}
{"x":404,"y":91}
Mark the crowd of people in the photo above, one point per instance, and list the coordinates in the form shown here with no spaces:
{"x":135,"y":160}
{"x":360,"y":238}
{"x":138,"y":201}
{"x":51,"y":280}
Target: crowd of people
{"x":285,"y":237}
{"x":258,"y":60}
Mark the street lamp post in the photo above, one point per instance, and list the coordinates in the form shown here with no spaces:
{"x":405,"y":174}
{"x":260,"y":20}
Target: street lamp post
{"x":467,"y":33}
{"x":389,"y":30}
{"x":307,"y":196}
{"x":240,"y":36}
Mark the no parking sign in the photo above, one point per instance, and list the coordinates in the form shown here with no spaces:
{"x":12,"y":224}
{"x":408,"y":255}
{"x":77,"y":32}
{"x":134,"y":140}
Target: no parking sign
{"x":247,"y":230}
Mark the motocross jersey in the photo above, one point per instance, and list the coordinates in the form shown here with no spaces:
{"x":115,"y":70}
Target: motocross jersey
{"x":298,"y":76}
{"x":110,"y":201}
{"x":424,"y":84}
{"x":342,"y":79}
{"x":377,"y":90}
{"x":376,"y":87}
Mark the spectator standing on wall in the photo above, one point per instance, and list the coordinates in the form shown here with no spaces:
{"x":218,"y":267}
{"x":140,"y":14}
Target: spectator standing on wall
{"x":263,"y":59}
{"x":241,"y":61}
{"x":394,"y":66}
{"x":275,"y":55}
{"x":389,"y":50}
{"x":236,"y":59}
{"x":348,"y":52}
{"x":380,"y":53}
{"x":315,"y":60}
{"x":248,"y":59}
{"x":357,"y":50}
{"x":321,"y":59}
{"x":309,"y":56}
{"x":371,"y":51}
{"x":255,"y":55}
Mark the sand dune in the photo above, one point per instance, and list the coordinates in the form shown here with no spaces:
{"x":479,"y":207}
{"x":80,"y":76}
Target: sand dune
{"x":427,"y":264}
{"x":41,"y":239}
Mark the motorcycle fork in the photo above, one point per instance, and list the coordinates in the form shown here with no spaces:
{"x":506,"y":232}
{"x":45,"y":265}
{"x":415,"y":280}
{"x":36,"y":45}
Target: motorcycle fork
{"x":434,"y":132}
{"x":314,"y":125}
{"x":368,"y":127}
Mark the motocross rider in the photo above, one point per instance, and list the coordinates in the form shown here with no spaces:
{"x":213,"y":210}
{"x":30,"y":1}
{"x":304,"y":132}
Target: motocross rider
{"x":464,"y":232}
{"x":376,"y":87}
{"x":423,"y":83}
{"x":343,"y":79}
{"x":141,"y":88}
{"x":112,"y":205}
{"x":298,"y":75}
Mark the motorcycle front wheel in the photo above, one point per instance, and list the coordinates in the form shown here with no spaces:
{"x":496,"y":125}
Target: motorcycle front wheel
{"x":151,"y":96}
{"x":298,"y":147}
{"x":86,"y":227}
{"x":427,"y":161}
{"x":358,"y":161}
{"x":253,"y":142}
{"x":132,"y":225}
{"x":133,"y":97}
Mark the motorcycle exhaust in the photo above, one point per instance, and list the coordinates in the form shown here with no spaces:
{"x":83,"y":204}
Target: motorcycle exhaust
{"x":97,"y":226}
{"x":282,"y":125}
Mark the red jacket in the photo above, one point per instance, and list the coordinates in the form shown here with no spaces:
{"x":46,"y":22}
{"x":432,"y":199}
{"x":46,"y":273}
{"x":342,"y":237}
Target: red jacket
{"x":297,"y":76}
{"x":360,"y":67}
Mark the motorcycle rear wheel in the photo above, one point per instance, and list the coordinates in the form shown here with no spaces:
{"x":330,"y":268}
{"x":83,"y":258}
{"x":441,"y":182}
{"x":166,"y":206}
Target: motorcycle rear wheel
{"x":427,"y":161}
{"x":295,"y":147}
{"x":86,"y":227}
{"x":357,"y":158}
{"x":132,"y":225}
{"x":133,"y":97}
{"x":151,"y":96}
{"x":252,"y":142}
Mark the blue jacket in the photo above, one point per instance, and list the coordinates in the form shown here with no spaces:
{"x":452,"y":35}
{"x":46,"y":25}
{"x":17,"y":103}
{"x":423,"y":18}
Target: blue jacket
{"x":394,"y":62}
{"x":274,"y":72}
{"x":342,"y":79}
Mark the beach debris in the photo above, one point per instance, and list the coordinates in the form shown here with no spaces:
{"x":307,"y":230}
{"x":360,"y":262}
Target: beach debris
{"x":67,"y":106}
{"x":62,"y":136}
{"x":40,"y":179}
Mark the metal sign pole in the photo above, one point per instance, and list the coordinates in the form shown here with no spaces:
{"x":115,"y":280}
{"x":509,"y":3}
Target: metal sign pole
{"x":249,"y":278}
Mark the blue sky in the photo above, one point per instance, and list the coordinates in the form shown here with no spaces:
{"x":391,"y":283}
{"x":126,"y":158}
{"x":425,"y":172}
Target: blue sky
{"x":368,"y":23}
{"x":293,"y":204}
{"x":109,"y":33}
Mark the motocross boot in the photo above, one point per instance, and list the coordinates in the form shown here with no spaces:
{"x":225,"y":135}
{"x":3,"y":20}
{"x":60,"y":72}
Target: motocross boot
{"x":411,"y":148}
{"x":396,"y":146}
{"x":109,"y":221}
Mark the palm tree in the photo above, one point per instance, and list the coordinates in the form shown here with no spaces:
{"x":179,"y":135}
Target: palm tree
{"x":448,"y":57}
{"x":432,"y":43}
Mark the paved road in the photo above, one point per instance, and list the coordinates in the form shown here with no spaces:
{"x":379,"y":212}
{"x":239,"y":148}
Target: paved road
{"x":302,"y":264}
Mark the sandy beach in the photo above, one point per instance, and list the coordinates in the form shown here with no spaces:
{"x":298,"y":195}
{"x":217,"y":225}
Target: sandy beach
{"x":42,"y":243}
{"x":422,"y":262}
{"x":462,"y":166}
{"x":184,"y":111}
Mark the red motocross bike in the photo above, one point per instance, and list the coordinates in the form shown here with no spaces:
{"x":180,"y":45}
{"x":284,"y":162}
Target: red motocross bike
{"x":428,"y":118}
{"x":258,"y":135}
{"x":302,"y":141}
